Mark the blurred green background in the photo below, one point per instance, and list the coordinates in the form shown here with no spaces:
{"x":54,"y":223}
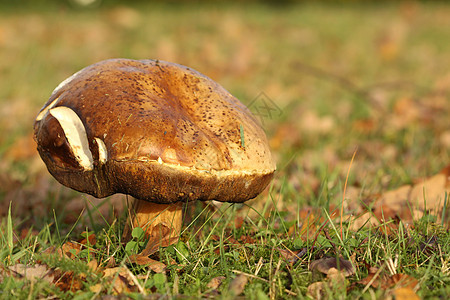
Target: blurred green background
{"x":339,"y":75}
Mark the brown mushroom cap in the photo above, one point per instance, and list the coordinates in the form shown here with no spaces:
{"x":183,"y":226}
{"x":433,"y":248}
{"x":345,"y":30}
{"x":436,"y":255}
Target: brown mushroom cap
{"x":155,"y":130}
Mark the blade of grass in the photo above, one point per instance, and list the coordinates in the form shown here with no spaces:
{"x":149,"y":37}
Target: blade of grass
{"x":345,"y":189}
{"x":9,"y":234}
{"x":444,"y":209}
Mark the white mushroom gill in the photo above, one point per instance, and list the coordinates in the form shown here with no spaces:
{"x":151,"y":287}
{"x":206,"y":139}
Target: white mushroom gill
{"x":75,"y":134}
{"x":44,"y":111}
{"x":102,"y":151}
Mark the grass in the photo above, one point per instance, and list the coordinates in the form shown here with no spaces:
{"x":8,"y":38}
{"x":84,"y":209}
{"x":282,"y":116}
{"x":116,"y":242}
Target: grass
{"x":212,"y":251}
{"x":342,"y":77}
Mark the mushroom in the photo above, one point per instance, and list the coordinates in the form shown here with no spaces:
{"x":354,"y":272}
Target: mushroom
{"x":157,"y":131}
{"x":331,"y":264}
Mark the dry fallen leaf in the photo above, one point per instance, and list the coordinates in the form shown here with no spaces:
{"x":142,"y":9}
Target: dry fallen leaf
{"x":93,"y":265}
{"x":143,"y":260}
{"x":91,"y":239}
{"x":285,"y":136}
{"x":335,"y":280}
{"x":410,"y":201}
{"x":154,"y":243}
{"x":374,"y":282}
{"x":430,"y":192}
{"x":238,"y":284}
{"x":68,"y":281}
{"x":292,"y":256}
{"x":215,"y":282}
{"x":357,"y":222}
{"x":384,"y":282}
{"x":309,"y":218}
{"x":120,"y":280}
{"x":70,"y":249}
{"x":316,"y":290}
{"x":405,"y":294}
{"x":403,"y":280}
{"x":33,"y":273}
{"x":247,"y":239}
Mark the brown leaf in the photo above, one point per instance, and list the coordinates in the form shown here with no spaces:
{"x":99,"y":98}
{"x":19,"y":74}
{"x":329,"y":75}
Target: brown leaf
{"x":120,"y":280}
{"x":67,"y":281}
{"x":405,"y":293}
{"x":238,"y":222}
{"x":96,"y":288}
{"x":366,"y":280}
{"x":142,"y":260}
{"x":28,"y":231}
{"x":154,"y":243}
{"x":335,"y":281}
{"x":91,"y":239}
{"x":231,"y":240}
{"x":391,"y":202}
{"x":366,"y":219}
{"x":403,"y":280}
{"x":292,"y":256}
{"x":70,"y":249}
{"x":386,"y":282}
{"x":409,"y":202}
{"x":238,"y":284}
{"x":285,"y":136}
{"x":430,"y":192}
{"x":215,"y":282}
{"x":365,"y":126}
{"x":93,"y":265}
{"x":247,"y":239}
{"x":33,"y":273}
{"x":309,"y":218}
{"x":316,"y":290}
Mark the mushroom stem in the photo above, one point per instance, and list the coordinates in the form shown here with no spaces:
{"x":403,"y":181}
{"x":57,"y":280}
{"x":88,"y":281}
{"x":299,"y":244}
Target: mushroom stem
{"x":160,"y":222}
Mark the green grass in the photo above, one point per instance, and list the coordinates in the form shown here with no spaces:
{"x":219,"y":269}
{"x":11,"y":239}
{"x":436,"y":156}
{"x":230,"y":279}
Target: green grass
{"x":206,"y":250}
{"x":367,"y":77}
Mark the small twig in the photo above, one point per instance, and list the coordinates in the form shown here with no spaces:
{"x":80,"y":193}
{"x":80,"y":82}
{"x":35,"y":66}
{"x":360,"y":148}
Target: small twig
{"x":136,"y":282}
{"x":372,"y":280}
{"x":250,"y":275}
{"x":259,"y":266}
{"x":327,"y":235}
{"x":297,"y":255}
{"x":272,"y":281}
{"x":271,"y":295}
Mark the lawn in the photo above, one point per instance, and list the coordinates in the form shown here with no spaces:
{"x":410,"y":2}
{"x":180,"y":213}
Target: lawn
{"x":354,"y":99}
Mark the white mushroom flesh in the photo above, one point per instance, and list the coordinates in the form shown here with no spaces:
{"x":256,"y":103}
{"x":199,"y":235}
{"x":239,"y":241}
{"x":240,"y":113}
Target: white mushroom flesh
{"x":102,"y":151}
{"x":44,"y":111}
{"x":75,"y":134}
